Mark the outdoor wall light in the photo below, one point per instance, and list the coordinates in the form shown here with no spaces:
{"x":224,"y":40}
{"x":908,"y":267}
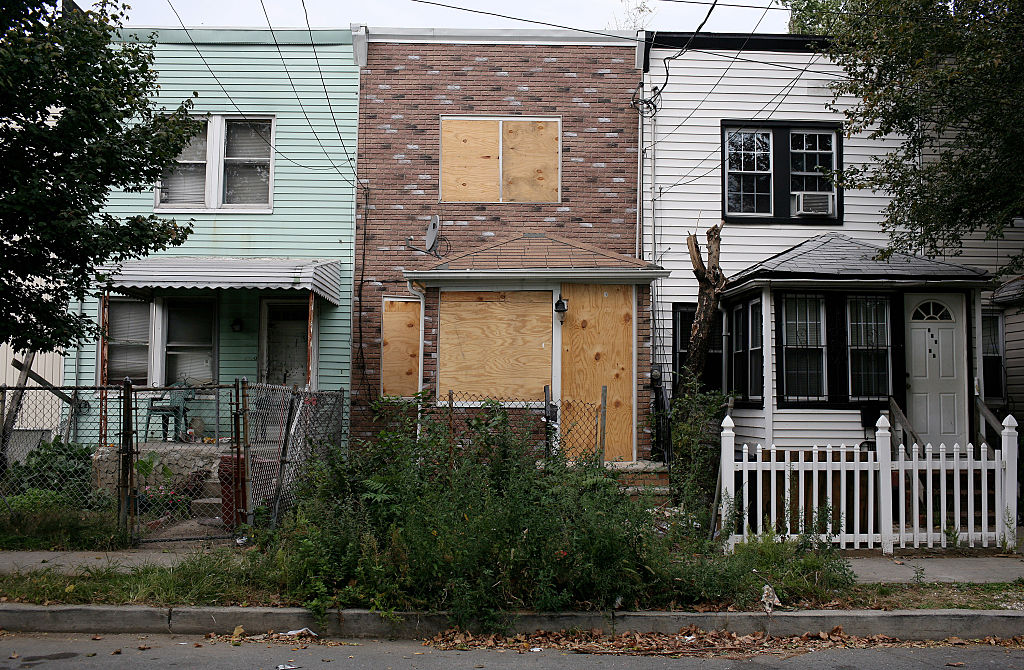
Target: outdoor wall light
{"x":236,"y":326}
{"x":561,"y":307}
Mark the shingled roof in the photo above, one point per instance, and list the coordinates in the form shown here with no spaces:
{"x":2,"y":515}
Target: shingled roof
{"x":530,"y":251}
{"x":1010,"y":292}
{"x":839,"y":257}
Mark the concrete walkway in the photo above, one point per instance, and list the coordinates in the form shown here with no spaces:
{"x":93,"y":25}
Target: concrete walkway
{"x":67,"y":562}
{"x":869,"y":570}
{"x":976,"y":569}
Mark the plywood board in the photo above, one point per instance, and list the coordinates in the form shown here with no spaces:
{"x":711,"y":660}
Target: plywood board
{"x":400,"y":348}
{"x":470,"y":167}
{"x":597,"y":350}
{"x":495,"y":344}
{"x":529,"y":161}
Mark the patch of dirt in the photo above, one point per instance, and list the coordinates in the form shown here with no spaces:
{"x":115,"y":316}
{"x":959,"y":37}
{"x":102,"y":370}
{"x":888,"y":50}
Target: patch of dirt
{"x":691,"y":641}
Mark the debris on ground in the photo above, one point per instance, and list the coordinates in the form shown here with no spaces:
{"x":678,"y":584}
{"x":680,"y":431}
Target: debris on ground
{"x":297,"y":639}
{"x":690,"y":641}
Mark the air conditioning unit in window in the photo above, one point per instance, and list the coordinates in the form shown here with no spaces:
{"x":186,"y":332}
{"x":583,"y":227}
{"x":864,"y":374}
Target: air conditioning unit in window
{"x":813,"y":204}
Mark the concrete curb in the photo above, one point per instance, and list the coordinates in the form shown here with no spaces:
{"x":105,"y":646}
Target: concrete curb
{"x":904,"y":624}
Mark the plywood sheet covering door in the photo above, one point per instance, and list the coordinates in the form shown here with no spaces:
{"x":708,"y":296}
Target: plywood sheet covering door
{"x":597,"y":350}
{"x":470,"y":166}
{"x":495,"y":344}
{"x":400,"y":348}
{"x":529,"y":161}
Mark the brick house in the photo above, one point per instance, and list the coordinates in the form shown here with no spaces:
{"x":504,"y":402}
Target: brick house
{"x":521,"y":146}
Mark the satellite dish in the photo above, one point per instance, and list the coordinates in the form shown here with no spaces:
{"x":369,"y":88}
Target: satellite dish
{"x":433,"y":233}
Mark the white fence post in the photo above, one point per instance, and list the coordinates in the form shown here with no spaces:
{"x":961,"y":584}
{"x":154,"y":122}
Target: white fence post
{"x":883,"y":454}
{"x":1010,"y":487}
{"x":727,"y":467}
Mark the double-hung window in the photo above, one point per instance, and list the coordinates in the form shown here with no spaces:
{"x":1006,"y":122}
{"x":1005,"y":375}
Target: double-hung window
{"x":777,"y":171}
{"x":992,"y":356}
{"x":683,"y":314}
{"x":747,"y":351}
{"x":227,"y":165}
{"x":868,"y":334}
{"x":803,"y":347}
{"x":128,"y":333}
{"x":169,"y":341}
{"x":748,"y":172}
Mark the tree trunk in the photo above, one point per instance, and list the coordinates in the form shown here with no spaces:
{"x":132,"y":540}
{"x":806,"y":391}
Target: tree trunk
{"x":710,"y":282}
{"x":11,"y":415}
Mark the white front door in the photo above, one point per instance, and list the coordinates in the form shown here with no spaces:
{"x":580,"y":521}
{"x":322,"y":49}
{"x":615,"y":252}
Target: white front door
{"x":937,"y":367}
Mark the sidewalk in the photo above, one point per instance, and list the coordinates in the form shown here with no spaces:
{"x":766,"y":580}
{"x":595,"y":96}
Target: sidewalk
{"x":869,"y":570}
{"x":67,"y":562}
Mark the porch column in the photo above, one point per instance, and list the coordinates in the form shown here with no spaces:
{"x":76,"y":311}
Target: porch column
{"x":309,"y":340}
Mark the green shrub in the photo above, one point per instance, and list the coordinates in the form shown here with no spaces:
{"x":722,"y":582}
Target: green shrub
{"x":484,"y":523}
{"x":56,"y":465}
{"x":696,"y":424}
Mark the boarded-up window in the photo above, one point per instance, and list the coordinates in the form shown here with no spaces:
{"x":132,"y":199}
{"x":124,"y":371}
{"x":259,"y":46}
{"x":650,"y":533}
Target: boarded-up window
{"x":400,"y":347}
{"x":500,"y":160}
{"x":495,"y":344}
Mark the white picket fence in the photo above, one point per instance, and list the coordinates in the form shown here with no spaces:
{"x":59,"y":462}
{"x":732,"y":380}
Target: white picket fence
{"x":857,"y":497}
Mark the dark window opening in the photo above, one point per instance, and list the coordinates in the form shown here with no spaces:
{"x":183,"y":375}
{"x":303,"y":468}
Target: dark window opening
{"x":682,"y":324}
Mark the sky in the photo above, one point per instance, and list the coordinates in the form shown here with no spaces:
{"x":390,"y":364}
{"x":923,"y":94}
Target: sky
{"x":677,"y":15}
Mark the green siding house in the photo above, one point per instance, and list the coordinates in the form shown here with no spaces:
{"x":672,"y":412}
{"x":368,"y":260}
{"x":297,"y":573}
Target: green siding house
{"x":263,"y":286}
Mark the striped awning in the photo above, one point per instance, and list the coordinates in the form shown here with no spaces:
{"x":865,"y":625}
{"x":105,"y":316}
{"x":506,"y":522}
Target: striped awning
{"x":321,"y":276}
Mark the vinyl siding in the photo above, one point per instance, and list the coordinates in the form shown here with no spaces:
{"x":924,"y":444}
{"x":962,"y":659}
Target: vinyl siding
{"x":313,"y":192}
{"x":1014,"y":343}
{"x":682,"y":192}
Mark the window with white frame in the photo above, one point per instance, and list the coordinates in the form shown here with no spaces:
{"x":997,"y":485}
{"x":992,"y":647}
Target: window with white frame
{"x":748,"y":177}
{"x":747,"y":351}
{"x":189,"y":341}
{"x":170,"y":341}
{"x":992,"y":356}
{"x":228,"y":165}
{"x":128,"y":334}
{"x":868,"y":334}
{"x":803,"y":347}
{"x":777,"y":171}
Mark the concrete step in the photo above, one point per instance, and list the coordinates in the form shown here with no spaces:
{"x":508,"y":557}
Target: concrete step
{"x":206,"y":507}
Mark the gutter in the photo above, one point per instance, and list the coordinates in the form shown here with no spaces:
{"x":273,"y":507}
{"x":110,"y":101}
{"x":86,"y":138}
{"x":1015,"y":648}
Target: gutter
{"x":630,"y":276}
{"x":856,"y":283}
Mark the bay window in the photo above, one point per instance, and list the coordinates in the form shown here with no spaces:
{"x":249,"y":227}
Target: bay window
{"x":747,"y":351}
{"x":803,"y":347}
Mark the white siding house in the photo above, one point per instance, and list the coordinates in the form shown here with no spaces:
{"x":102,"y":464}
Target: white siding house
{"x":818,"y":337}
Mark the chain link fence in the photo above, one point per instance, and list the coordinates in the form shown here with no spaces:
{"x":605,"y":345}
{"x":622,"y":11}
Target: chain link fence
{"x":575,"y":428}
{"x":284,"y":428}
{"x":196,"y":462}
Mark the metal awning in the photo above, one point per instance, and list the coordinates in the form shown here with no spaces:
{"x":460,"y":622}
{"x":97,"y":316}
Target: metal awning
{"x":321,"y":276}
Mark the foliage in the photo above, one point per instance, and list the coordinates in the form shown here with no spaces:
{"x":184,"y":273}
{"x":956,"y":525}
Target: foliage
{"x":484,"y":523}
{"x":812,"y":17}
{"x":56,"y":465}
{"x":49,"y":519}
{"x":77,"y":120}
{"x":947,"y":80}
{"x":696,"y":419}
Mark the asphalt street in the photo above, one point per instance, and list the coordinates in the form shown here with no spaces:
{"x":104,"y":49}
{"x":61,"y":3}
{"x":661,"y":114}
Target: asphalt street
{"x":23,"y":651}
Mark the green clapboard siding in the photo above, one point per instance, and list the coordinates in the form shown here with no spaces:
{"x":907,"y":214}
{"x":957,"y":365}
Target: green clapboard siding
{"x":313,"y":202}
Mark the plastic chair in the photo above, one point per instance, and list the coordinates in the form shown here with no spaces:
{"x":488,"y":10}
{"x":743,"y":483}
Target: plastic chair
{"x":171,"y":404}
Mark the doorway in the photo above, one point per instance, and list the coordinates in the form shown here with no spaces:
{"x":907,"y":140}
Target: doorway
{"x":937,"y":368}
{"x":285,"y":345}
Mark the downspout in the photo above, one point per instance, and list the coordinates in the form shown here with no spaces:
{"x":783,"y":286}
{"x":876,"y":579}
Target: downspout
{"x":639,"y":184}
{"x":423,"y":310}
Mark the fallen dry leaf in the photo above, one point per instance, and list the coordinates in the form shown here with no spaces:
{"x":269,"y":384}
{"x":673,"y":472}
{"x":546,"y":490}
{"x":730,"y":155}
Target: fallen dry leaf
{"x":116,"y":652}
{"x":97,"y":637}
{"x":143,"y":647}
{"x":957,"y":664}
{"x":14,"y":654}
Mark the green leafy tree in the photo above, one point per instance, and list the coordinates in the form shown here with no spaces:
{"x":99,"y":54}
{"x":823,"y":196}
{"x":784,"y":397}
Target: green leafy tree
{"x":77,"y":120}
{"x":812,"y":17}
{"x":947,"y":80}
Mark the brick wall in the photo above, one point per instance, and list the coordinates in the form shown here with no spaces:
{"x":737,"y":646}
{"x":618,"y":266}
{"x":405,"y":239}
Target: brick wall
{"x":405,"y":89}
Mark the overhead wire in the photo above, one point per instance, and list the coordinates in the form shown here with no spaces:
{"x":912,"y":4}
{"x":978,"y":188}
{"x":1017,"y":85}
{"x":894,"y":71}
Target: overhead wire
{"x":234,"y":104}
{"x":298,"y":98}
